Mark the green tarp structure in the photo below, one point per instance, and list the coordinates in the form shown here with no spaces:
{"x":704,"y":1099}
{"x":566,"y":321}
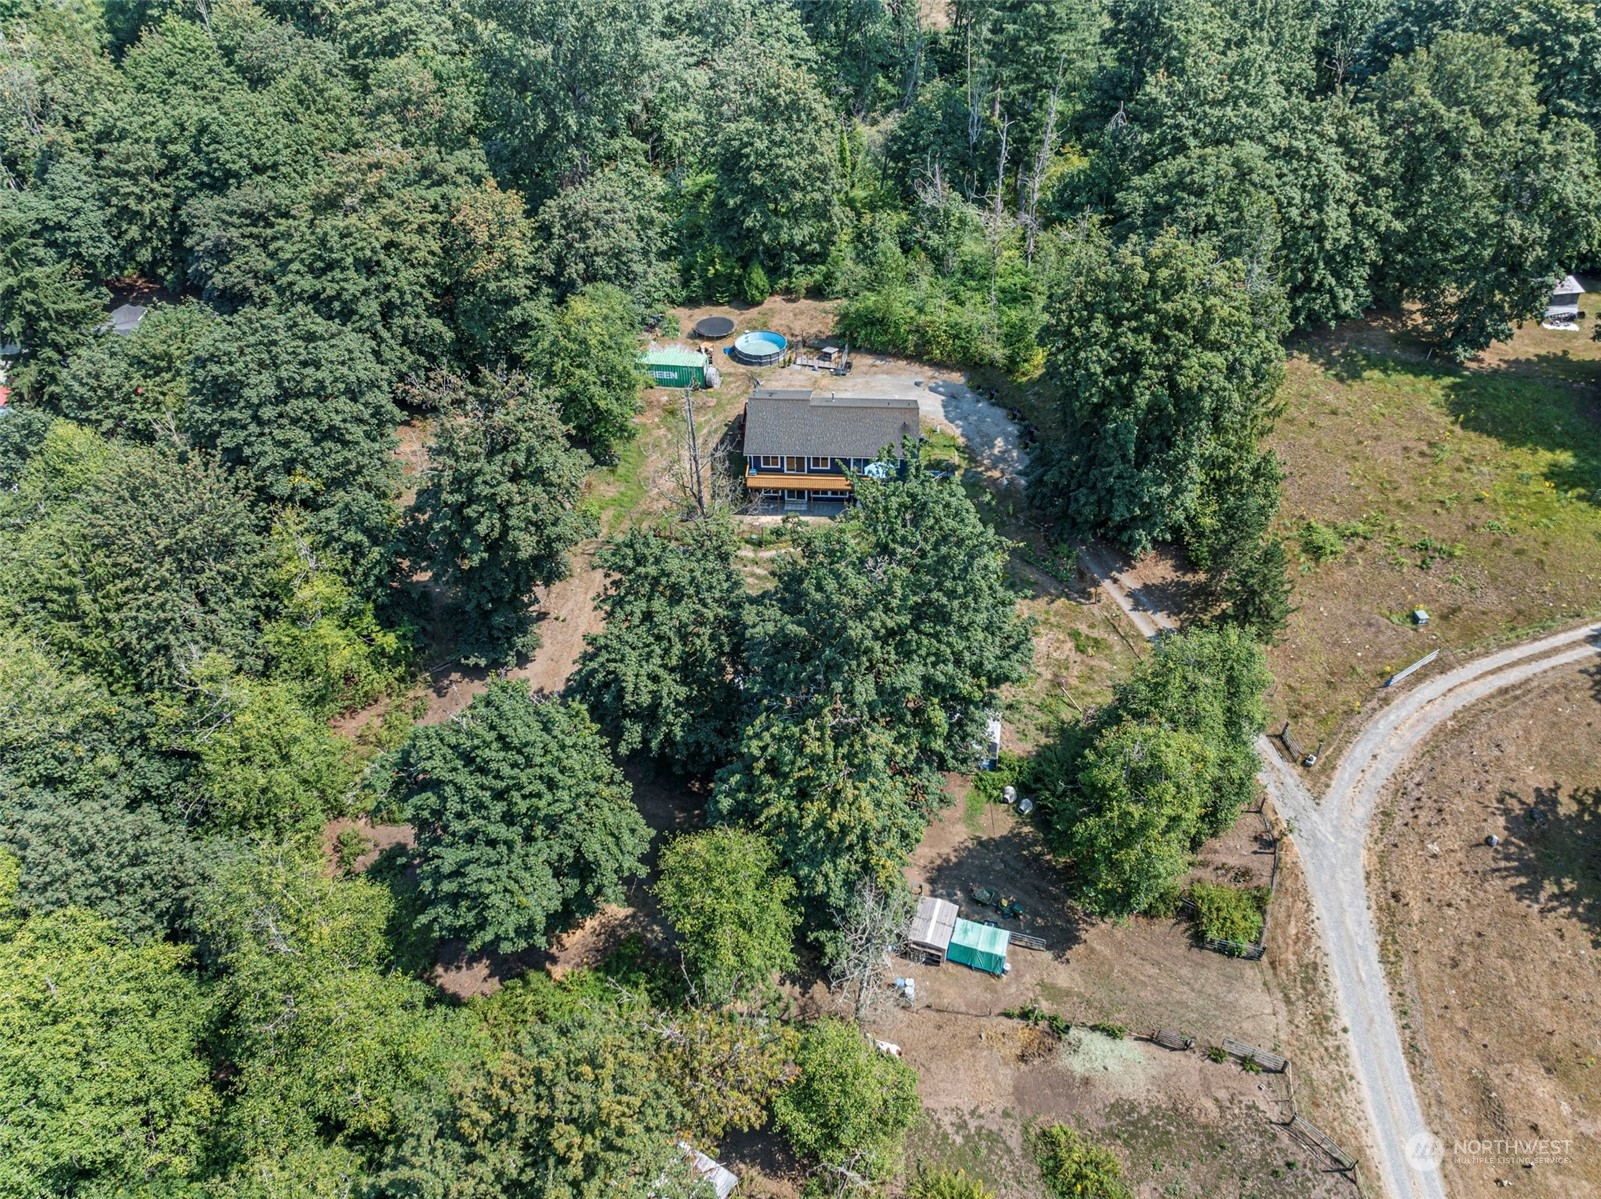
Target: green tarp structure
{"x":675,"y":367}
{"x":981,"y":946}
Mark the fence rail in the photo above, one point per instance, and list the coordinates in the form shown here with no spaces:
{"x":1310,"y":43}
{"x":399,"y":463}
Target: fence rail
{"x":1319,"y":1139}
{"x":1270,"y":1062}
{"x":1168,"y":1039}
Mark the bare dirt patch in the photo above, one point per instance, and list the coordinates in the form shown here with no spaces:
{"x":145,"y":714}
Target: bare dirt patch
{"x":1492,"y":952}
{"x":1176,"y":1119}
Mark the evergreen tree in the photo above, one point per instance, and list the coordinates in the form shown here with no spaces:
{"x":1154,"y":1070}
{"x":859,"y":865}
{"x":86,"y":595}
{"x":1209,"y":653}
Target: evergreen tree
{"x":104,"y":1082}
{"x":524,"y":825}
{"x":300,"y":408}
{"x":499,"y":512}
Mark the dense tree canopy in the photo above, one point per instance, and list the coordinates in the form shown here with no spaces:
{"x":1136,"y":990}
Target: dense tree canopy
{"x":499,"y":511}
{"x":737,"y":935}
{"x":661,"y":675}
{"x":104,"y":1087}
{"x":396,"y":259}
{"x":1167,"y":359}
{"x":870,"y":666}
{"x":524,"y":825}
{"x":1500,"y":195}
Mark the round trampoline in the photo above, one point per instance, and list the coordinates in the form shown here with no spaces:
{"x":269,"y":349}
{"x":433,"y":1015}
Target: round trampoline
{"x":761,"y":348}
{"x":713,"y":327}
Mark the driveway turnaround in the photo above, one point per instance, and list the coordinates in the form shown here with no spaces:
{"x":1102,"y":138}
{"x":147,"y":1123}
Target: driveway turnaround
{"x":1331,"y":836}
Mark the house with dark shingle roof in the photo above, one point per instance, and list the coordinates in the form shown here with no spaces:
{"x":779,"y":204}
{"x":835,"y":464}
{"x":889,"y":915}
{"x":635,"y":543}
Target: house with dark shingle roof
{"x":801,"y":446}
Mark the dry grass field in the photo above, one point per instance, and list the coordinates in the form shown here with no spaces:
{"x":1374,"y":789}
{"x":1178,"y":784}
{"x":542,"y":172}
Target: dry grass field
{"x":1473,"y":493}
{"x":1493,"y":952}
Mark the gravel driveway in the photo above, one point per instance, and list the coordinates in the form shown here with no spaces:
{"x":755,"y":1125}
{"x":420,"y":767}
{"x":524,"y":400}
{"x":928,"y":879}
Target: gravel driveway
{"x":1331,"y":836}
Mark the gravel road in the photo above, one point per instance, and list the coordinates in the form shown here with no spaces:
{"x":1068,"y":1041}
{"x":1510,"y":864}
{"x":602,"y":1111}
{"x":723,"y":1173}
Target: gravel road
{"x":1331,"y":836}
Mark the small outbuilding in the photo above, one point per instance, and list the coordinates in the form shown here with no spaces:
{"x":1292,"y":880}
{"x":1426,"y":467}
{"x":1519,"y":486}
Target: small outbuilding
{"x":932,"y":926}
{"x":125,"y":319}
{"x":1564,"y":305}
{"x":981,"y":946}
{"x":675,"y":366}
{"x":719,"y":1177}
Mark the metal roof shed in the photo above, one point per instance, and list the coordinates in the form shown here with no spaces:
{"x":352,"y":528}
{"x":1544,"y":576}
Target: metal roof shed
{"x":981,"y":946}
{"x":1564,"y":303}
{"x":675,"y":367}
{"x":932,"y":926}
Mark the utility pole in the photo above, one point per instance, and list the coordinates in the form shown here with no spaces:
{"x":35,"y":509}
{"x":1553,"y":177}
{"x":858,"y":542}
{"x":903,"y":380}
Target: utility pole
{"x":697,"y":482}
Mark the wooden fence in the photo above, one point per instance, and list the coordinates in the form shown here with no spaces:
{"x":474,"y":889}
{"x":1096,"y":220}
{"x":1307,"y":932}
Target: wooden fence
{"x":1271,"y":1062}
{"x":1320,"y":1140}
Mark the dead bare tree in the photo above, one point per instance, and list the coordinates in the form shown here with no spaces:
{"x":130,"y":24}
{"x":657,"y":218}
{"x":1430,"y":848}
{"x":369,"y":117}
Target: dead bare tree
{"x":1042,"y":161}
{"x":997,"y":223}
{"x":872,"y":930}
{"x":700,"y":472}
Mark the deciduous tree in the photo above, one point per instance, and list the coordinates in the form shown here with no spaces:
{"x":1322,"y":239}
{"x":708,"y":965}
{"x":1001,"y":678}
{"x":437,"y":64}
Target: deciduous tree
{"x":851,"y":1106}
{"x":499,"y":508}
{"x":1168,"y":360}
{"x":1130,"y":824}
{"x":732,"y":909}
{"x":104,"y":1082}
{"x":1496,"y":197}
{"x":588,"y":357}
{"x":660,"y":675}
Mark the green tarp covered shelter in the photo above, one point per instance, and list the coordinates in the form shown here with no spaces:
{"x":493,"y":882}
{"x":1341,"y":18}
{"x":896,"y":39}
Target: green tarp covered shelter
{"x":675,"y":367}
{"x":981,"y":946}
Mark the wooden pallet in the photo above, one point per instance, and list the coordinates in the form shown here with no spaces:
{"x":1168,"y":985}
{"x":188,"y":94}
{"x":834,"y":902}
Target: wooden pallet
{"x":1271,"y":1062}
{"x":1169,"y":1039}
{"x":1028,"y":941}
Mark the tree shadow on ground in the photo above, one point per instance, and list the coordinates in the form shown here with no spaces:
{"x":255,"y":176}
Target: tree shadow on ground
{"x":1514,"y":405}
{"x":1534,"y":414}
{"x":1551,"y":856}
{"x":1018,"y":864}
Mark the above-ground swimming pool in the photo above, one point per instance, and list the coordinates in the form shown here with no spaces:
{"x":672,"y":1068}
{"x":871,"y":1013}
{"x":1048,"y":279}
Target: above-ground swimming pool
{"x":761,"y":348}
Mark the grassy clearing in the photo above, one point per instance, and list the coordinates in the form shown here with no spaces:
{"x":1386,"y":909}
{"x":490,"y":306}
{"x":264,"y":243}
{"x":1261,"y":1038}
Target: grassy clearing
{"x":1081,"y":650}
{"x":1475,"y":495}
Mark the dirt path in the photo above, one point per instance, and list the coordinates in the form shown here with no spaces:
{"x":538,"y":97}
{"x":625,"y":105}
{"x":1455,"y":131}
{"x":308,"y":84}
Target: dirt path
{"x":1331,"y":837}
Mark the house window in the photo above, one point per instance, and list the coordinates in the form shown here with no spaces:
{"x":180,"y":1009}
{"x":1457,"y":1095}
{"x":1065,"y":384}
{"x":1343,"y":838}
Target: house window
{"x":769,"y":461}
{"x":817,"y":464}
{"x":794,"y":466}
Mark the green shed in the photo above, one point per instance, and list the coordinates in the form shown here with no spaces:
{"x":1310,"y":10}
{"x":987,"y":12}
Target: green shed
{"x":981,"y":946}
{"x":675,"y":367}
